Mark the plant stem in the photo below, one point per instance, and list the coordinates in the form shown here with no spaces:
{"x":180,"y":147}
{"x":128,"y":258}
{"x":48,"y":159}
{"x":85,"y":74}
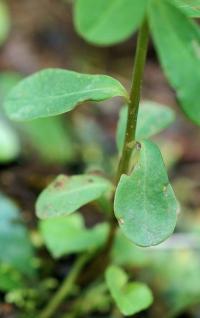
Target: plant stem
{"x":133,"y":105}
{"x":129,"y":142}
{"x":66,"y":288}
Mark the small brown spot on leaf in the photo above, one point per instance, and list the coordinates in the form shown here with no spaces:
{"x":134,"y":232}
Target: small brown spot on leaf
{"x":60,"y":182}
{"x":121,"y":221}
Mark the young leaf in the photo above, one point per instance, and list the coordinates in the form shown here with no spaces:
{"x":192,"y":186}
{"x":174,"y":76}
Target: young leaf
{"x":55,"y":91}
{"x":106,"y":22}
{"x":66,"y":195}
{"x":66,"y":235}
{"x":15,"y":246}
{"x":179,"y":53}
{"x":4,"y":21}
{"x":145,"y":204}
{"x":152,"y":119}
{"x":131,"y":298}
{"x":190,"y":7}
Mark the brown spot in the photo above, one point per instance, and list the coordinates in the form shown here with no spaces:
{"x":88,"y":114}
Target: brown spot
{"x":60,"y":182}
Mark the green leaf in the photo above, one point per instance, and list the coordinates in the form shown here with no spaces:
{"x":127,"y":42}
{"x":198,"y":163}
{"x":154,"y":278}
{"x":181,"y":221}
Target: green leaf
{"x":4,"y":21}
{"x":66,"y":235}
{"x":179,"y":53}
{"x":152,"y":119}
{"x":37,"y":132}
{"x":189,"y":7}
{"x":15,"y":246}
{"x":106,"y":22}
{"x":9,"y":142}
{"x":145,"y":204}
{"x":131,"y":298}
{"x":55,"y":91}
{"x":66,"y":195}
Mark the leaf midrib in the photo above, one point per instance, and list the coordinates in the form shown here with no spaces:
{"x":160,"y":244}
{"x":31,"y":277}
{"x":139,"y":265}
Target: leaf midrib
{"x":103,"y":89}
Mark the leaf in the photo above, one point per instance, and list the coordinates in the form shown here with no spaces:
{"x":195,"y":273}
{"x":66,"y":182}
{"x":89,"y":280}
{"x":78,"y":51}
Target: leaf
{"x":108,"y":22}
{"x":16,"y":248}
{"x":131,"y":298}
{"x":145,"y":204}
{"x":179,"y":53}
{"x":9,"y":143}
{"x":189,"y":7}
{"x":67,"y":235}
{"x":152,"y":119}
{"x":55,"y":91}
{"x":37,"y":132}
{"x":4,"y":21}
{"x":66,"y":195}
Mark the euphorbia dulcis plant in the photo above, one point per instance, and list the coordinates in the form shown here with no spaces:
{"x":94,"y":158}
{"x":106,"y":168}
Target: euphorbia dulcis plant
{"x":144,"y":205}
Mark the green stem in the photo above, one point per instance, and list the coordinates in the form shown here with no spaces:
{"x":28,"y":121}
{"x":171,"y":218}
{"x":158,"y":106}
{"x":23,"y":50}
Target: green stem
{"x":129,"y":143}
{"x":133,"y":105}
{"x":66,"y":287}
